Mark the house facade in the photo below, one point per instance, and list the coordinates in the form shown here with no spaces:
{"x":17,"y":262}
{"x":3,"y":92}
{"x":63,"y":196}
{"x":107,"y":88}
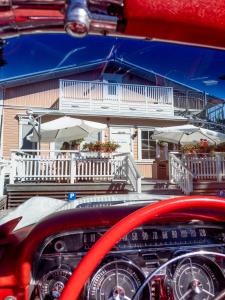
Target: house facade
{"x":132,"y":101}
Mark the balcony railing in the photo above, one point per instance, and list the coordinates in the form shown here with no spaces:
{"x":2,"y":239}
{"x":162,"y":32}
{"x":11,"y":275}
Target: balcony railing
{"x":99,"y":98}
{"x":117,"y":99}
{"x":191,"y":100}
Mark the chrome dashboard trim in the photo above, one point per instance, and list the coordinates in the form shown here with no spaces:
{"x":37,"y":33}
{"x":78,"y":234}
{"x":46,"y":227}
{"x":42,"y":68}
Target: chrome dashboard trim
{"x":192,"y":254}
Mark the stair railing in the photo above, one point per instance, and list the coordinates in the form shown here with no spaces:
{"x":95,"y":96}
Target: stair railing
{"x":180,"y":174}
{"x":131,"y":170}
{"x":5,"y":167}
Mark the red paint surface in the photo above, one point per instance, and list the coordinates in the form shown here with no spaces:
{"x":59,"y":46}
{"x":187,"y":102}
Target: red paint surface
{"x":193,"y":21}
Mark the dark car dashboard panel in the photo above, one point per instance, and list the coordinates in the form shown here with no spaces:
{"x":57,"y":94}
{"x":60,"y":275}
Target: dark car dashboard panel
{"x":195,"y":250}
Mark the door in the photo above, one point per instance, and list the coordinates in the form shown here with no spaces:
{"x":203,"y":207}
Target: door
{"x":111,"y":89}
{"x":121,"y":136}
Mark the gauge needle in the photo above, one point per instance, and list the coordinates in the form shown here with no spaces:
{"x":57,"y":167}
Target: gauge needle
{"x":186,"y":294}
{"x":192,"y":271}
{"x":207,"y":292}
{"x":117,"y":281}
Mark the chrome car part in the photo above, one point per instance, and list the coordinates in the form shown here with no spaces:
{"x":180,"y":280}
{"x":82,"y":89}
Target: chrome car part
{"x":78,"y":17}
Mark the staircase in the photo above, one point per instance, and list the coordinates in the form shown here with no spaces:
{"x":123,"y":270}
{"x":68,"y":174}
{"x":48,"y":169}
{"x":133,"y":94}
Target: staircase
{"x":209,"y":188}
{"x":198,"y":175}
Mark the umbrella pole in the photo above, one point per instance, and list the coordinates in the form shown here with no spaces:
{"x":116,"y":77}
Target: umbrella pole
{"x":39,"y":134}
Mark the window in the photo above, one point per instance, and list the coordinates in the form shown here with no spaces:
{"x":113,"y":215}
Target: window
{"x":148,"y":146}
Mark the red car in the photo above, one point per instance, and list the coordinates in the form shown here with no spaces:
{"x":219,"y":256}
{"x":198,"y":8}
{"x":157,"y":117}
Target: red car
{"x":172,"y":249}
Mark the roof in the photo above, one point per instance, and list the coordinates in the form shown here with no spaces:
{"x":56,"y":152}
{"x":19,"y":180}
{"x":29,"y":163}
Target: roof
{"x":131,"y":67}
{"x":50,"y":74}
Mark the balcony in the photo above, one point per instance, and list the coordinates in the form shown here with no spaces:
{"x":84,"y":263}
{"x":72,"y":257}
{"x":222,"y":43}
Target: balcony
{"x":131,"y":100}
{"x":112,"y":99}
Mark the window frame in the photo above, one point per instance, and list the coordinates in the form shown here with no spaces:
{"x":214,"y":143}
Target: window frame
{"x":140,"y":159}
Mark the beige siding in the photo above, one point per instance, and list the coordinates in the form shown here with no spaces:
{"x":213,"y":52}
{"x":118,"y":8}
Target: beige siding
{"x":148,"y":170}
{"x":42,"y":94}
{"x":10,"y":131}
{"x":130,"y":78}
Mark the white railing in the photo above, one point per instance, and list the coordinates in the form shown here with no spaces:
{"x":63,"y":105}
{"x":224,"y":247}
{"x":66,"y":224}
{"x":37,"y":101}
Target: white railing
{"x":180,"y":175}
{"x":4,"y":172}
{"x":117,"y":98}
{"x":206,"y":166}
{"x":71,"y":167}
{"x":190,"y":100}
{"x":132,"y":173}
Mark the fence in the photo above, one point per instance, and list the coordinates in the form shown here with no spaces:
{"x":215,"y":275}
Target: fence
{"x":206,"y":166}
{"x":71,"y":167}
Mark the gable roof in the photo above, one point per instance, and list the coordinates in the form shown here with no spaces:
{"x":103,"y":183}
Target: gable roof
{"x":120,"y":63}
{"x":50,"y":74}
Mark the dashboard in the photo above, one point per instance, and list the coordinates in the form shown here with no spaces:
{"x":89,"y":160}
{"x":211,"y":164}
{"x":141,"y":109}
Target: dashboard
{"x":180,"y":261}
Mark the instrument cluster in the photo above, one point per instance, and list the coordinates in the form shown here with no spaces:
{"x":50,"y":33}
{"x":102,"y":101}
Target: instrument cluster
{"x":151,"y":262}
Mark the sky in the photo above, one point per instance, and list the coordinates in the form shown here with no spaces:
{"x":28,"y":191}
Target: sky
{"x":194,"y":66}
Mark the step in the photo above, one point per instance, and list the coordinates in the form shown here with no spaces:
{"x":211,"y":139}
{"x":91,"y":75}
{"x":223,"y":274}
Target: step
{"x":160,"y":187}
{"x":208,"y":184}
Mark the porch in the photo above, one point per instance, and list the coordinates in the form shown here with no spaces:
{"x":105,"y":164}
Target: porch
{"x":45,"y":171}
{"x":53,"y":174}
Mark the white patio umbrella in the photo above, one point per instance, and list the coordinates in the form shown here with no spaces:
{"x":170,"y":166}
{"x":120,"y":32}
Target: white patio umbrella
{"x":187,"y":134}
{"x":65,"y":129}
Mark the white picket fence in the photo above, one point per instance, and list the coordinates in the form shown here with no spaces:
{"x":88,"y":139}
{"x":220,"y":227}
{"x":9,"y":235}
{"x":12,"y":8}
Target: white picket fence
{"x":206,"y":166}
{"x":72,"y":167}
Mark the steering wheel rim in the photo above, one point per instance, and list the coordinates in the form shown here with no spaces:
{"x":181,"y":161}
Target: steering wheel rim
{"x":99,"y":250}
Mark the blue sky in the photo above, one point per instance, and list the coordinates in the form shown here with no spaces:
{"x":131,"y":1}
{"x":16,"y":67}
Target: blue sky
{"x":197,"y":67}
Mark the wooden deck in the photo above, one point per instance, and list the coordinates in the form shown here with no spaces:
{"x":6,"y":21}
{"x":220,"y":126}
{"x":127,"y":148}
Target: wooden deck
{"x":20,"y":192}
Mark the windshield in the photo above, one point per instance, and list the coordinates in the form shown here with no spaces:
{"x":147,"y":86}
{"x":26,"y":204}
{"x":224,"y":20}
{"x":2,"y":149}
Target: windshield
{"x":89,"y":114}
{"x":198,"y":67}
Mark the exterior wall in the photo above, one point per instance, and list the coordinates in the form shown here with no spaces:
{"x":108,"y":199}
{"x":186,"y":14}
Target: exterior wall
{"x":147,"y":170}
{"x":41,"y":94}
{"x":10,"y":131}
{"x":36,"y":95}
{"x":131,"y":78}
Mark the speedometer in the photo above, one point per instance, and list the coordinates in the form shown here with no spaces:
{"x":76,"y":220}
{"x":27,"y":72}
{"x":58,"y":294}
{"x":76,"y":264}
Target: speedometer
{"x":53,"y":283}
{"x":197,"y":278}
{"x":116,"y":280}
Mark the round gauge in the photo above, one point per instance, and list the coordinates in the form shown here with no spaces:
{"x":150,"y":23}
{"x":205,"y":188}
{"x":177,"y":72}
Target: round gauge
{"x":197,"y":278}
{"x":53,"y":283}
{"x":116,"y":280}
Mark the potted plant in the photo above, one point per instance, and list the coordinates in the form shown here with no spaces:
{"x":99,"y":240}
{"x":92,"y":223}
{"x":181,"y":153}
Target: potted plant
{"x":110,"y":147}
{"x":107,"y":147}
{"x":190,"y":148}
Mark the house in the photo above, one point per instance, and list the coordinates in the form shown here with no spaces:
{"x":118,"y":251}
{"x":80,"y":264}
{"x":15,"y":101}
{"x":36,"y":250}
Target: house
{"x":131,"y":100}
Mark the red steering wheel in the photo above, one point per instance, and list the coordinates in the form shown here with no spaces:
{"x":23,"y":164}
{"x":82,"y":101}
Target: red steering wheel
{"x":91,"y":260}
